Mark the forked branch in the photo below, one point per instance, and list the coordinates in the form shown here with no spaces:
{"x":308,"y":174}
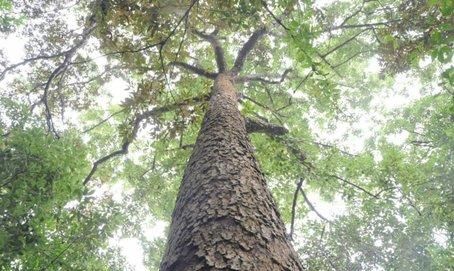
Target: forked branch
{"x":218,"y":51}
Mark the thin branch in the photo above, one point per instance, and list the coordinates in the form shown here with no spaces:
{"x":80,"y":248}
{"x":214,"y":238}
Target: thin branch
{"x":369,"y":25}
{"x":295,"y":198}
{"x":103,"y":121}
{"x":262,"y":78}
{"x":194,"y":69}
{"x":56,"y":258}
{"x":349,"y":58}
{"x":309,"y":74}
{"x":164,"y":41}
{"x":28,"y":60}
{"x":276,"y":19}
{"x":312,"y":206}
{"x":135,"y":128}
{"x":61,"y":70}
{"x":353,"y":14}
{"x":334,"y":147}
{"x":343,"y":43}
{"x":276,"y":115}
{"x":354,"y":185}
{"x":218,"y":51}
{"x":247,"y":47}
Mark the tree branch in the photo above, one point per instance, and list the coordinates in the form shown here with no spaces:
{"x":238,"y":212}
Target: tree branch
{"x":135,"y":128}
{"x":343,"y":43}
{"x":369,"y":25}
{"x":103,"y":121}
{"x":312,"y":206}
{"x":60,"y":70}
{"x":295,"y":198}
{"x":349,"y":58}
{"x":276,"y":115}
{"x":218,"y":51}
{"x":262,"y":78}
{"x":261,"y":126}
{"x":354,"y":185}
{"x":194,"y":69}
{"x":25,"y":61}
{"x":276,"y":19}
{"x":247,"y":47}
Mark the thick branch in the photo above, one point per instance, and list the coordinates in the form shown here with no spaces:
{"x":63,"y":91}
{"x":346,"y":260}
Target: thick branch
{"x":247,"y":47}
{"x":194,"y":69}
{"x":262,"y":78}
{"x":261,"y":126}
{"x":218,"y":51}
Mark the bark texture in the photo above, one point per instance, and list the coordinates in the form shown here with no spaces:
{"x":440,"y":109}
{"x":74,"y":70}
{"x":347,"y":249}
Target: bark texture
{"x":225,"y":217}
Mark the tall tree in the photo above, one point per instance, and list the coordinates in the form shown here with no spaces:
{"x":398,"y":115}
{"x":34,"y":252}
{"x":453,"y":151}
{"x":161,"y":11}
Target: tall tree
{"x":225,"y":217}
{"x":348,"y":102}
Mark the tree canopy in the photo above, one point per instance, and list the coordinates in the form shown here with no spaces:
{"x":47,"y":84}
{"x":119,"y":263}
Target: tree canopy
{"x":349,"y":105}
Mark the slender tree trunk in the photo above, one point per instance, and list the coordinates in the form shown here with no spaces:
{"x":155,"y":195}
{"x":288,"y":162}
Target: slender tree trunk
{"x":225,"y":217}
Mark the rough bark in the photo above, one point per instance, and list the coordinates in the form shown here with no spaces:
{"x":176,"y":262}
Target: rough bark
{"x":225,"y":217}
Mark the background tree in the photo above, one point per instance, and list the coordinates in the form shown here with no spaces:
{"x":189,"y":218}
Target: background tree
{"x":343,"y":135}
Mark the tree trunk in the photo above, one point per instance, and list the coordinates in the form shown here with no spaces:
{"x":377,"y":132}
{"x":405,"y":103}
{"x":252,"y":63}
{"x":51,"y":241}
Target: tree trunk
{"x":225,"y":217}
